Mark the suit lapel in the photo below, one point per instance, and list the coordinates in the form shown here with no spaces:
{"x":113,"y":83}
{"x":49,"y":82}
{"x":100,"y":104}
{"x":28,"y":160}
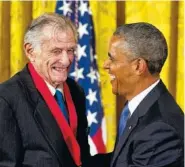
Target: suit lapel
{"x":140,"y":111}
{"x":42,"y":115}
{"x":132,"y":122}
{"x":49,"y":128}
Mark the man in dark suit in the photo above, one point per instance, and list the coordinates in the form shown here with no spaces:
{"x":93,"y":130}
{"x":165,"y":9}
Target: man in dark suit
{"x":42,"y":112}
{"x":151,"y":126}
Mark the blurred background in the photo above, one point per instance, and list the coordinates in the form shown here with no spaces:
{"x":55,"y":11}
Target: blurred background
{"x":168,"y":16}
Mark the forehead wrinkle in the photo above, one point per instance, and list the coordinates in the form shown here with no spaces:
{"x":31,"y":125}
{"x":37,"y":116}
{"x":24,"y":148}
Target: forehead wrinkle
{"x":58,"y":34}
{"x":62,"y":46}
{"x":56,"y":42}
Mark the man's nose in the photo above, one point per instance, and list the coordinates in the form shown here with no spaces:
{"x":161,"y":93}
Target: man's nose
{"x":106,"y":64}
{"x":65,"y":58}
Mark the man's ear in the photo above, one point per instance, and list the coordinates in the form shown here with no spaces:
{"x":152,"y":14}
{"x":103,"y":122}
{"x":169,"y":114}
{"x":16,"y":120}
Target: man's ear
{"x":140,"y":66}
{"x":29,"y":52}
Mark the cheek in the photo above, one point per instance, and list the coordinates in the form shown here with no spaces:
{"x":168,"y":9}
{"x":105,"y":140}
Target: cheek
{"x":117,"y":69}
{"x":126,"y":77}
{"x":122,"y":75}
{"x":41,"y":59}
{"x":71,"y":58}
{"x":50,"y":60}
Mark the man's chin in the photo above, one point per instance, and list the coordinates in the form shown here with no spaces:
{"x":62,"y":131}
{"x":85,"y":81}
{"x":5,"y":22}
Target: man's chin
{"x":57,"y":82}
{"x":114,"y":91}
{"x":114,"y":87}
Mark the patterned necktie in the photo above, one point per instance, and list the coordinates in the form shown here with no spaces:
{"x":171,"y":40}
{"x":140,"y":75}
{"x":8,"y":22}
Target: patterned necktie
{"x":123,"y":119}
{"x":60,"y":100}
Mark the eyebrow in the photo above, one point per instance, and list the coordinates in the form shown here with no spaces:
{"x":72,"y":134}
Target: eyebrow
{"x":55,"y":48}
{"x":109,"y":55}
{"x":58,"y":48}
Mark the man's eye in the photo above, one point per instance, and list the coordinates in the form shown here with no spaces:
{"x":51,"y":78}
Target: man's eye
{"x":71,"y":51}
{"x":111,"y":59}
{"x":58,"y":51}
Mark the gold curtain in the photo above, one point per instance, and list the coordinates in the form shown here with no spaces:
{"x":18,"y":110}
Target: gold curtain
{"x":18,"y":23}
{"x":39,"y":7}
{"x":15,"y":16}
{"x":105,"y":24}
{"x":180,"y":57}
{"x":4,"y":41}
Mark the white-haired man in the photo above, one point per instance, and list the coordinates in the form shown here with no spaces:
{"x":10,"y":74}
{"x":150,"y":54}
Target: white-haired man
{"x":41,"y":121}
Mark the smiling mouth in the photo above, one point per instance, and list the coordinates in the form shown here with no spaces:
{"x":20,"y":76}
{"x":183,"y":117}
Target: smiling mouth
{"x":59,"y":69}
{"x":112,"y":77}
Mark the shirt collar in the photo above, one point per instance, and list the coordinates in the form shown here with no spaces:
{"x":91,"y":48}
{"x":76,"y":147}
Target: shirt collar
{"x":132,"y":104}
{"x":53,"y":90}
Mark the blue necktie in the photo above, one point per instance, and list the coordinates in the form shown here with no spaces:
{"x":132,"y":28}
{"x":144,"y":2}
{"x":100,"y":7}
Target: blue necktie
{"x":60,"y":100}
{"x":123,"y":119}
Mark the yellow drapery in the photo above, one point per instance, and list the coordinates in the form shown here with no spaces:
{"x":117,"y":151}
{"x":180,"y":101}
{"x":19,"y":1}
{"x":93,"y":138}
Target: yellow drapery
{"x":180,"y":58}
{"x":18,"y":23}
{"x":105,"y":24}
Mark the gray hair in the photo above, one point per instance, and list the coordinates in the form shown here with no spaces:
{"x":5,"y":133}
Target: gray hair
{"x":34,"y":31}
{"x":143,"y":40}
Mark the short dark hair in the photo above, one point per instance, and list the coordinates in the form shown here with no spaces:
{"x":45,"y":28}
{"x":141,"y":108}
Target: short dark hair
{"x":146,"y":41}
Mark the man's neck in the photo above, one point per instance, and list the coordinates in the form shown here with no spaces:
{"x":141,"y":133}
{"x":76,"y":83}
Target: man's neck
{"x":53,"y":89}
{"x":143,"y":84}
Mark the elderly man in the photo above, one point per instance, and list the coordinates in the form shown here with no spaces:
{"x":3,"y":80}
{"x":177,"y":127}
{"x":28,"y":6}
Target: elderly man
{"x":150,"y":132}
{"x":41,"y":121}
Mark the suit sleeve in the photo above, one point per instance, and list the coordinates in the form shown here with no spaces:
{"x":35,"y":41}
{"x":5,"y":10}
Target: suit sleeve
{"x":158,"y":145}
{"x":10,"y":141}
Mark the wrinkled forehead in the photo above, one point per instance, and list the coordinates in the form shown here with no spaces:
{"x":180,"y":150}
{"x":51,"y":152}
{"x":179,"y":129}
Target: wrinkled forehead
{"x":59,"y":36}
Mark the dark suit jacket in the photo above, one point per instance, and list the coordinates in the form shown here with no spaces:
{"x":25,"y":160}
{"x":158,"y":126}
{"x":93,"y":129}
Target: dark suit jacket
{"x":29,"y":134}
{"x":154,"y":134}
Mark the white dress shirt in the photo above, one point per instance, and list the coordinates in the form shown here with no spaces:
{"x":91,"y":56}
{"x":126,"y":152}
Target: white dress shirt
{"x":53,"y":90}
